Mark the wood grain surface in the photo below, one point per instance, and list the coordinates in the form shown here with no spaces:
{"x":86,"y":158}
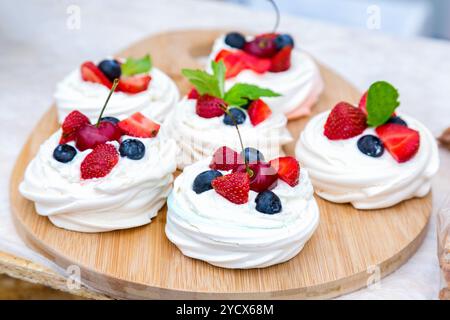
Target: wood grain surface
{"x":349,"y":250}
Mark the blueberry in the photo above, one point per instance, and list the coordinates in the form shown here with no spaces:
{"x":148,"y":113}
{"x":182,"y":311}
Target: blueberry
{"x":371,"y":146}
{"x":235,"y":40}
{"x":268,"y":202}
{"x":202,"y":182}
{"x":397,"y":120}
{"x":253,"y":155}
{"x":237,"y":115}
{"x":110,"y":119}
{"x":110,"y":68}
{"x":64,"y":153}
{"x":283,"y":40}
{"x":132,"y":149}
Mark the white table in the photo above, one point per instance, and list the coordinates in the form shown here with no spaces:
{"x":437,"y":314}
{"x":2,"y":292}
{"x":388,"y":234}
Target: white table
{"x":37,"y":50}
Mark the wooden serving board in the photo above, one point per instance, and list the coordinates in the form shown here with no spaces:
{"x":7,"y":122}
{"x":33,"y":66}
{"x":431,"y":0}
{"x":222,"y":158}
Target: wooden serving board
{"x":349,"y":250}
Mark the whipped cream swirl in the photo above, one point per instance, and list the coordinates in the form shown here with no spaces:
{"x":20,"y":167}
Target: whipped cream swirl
{"x":129,"y":196}
{"x":300,"y":86}
{"x":208,"y":227}
{"x":199,"y":137}
{"x":73,"y":93}
{"x":341,"y":173}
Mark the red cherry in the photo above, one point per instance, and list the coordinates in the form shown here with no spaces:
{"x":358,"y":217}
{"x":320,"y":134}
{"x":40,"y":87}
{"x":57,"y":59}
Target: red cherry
{"x":264,"y":176}
{"x":91,"y":136}
{"x":262,"y":46}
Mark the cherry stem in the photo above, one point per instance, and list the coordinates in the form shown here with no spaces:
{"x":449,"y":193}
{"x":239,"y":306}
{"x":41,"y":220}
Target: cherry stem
{"x":113,"y":88}
{"x":277,"y":12}
{"x":247,"y":168}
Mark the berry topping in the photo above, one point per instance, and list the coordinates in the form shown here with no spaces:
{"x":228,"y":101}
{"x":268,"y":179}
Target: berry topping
{"x":268,"y":202}
{"x":111,"y":69}
{"x":64,"y":153}
{"x":225,"y":159}
{"x":363,"y":103}
{"x":371,"y":145}
{"x":110,"y":119}
{"x":283,"y":40}
{"x":193,"y":94}
{"x":397,"y":120}
{"x":132,"y":149}
{"x":210,"y":107}
{"x":202,"y":182}
{"x":233,"y":61}
{"x":90,"y":135}
{"x":252,"y":155}
{"x":288,"y":169}
{"x":263,"y":46}
{"x":344,"y":122}
{"x":235,"y":40}
{"x":137,"y":125}
{"x":258,"y":111}
{"x":236,"y":115}
{"x":282,"y":60}
{"x":99,"y":162}
{"x":72,"y":123}
{"x":234,"y":187}
{"x":134,"y":84}
{"x":91,"y":73}
{"x":401,"y":142}
{"x":262,"y":177}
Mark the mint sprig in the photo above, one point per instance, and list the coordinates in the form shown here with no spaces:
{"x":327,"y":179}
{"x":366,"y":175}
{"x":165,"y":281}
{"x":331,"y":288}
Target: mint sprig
{"x":214,"y":85}
{"x":133,"y":66}
{"x":382,"y":100}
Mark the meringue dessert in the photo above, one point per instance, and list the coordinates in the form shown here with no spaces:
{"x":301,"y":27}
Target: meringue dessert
{"x":271,"y":61}
{"x":103,"y":177}
{"x":372,"y":156}
{"x":142,"y":88}
{"x":220,"y":213}
{"x":206,"y":118}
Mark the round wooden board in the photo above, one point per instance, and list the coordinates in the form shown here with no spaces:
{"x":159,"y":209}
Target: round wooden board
{"x":349,"y":249}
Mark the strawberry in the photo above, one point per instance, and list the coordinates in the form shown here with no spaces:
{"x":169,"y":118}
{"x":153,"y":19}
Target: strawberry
{"x":258,"y":65}
{"x":91,"y":73}
{"x":210,"y":107}
{"x":258,"y":111}
{"x":288,"y":169}
{"x":134,"y":84}
{"x":225,"y":159}
{"x":344,"y":121}
{"x":234,"y":187}
{"x":99,"y":162}
{"x":193,"y":94}
{"x":401,"y":142}
{"x":282,"y":60}
{"x":72,"y":123}
{"x":137,"y":125}
{"x":233,"y":61}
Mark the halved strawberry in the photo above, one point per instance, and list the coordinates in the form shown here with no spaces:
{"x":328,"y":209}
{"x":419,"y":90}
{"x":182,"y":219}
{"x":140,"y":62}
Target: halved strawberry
{"x":225,"y":159}
{"x":193,"y":94}
{"x":134,"y":84}
{"x":401,"y":142}
{"x":234,"y":187}
{"x":137,"y":125}
{"x":99,"y":162}
{"x":210,"y":107}
{"x":91,"y":73}
{"x":72,"y":123}
{"x":288,"y":169}
{"x":258,"y":111}
{"x":344,"y":121}
{"x":233,"y":62}
{"x":258,"y":65}
{"x":282,"y":60}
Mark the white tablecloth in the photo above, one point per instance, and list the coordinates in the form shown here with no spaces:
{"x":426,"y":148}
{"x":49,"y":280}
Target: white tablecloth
{"x":37,"y":50}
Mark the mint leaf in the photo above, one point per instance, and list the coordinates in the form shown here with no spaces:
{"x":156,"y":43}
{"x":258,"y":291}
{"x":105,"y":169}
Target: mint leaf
{"x":205,"y":83}
{"x":241,"y":93}
{"x":382,"y":100}
{"x":133,"y":66}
